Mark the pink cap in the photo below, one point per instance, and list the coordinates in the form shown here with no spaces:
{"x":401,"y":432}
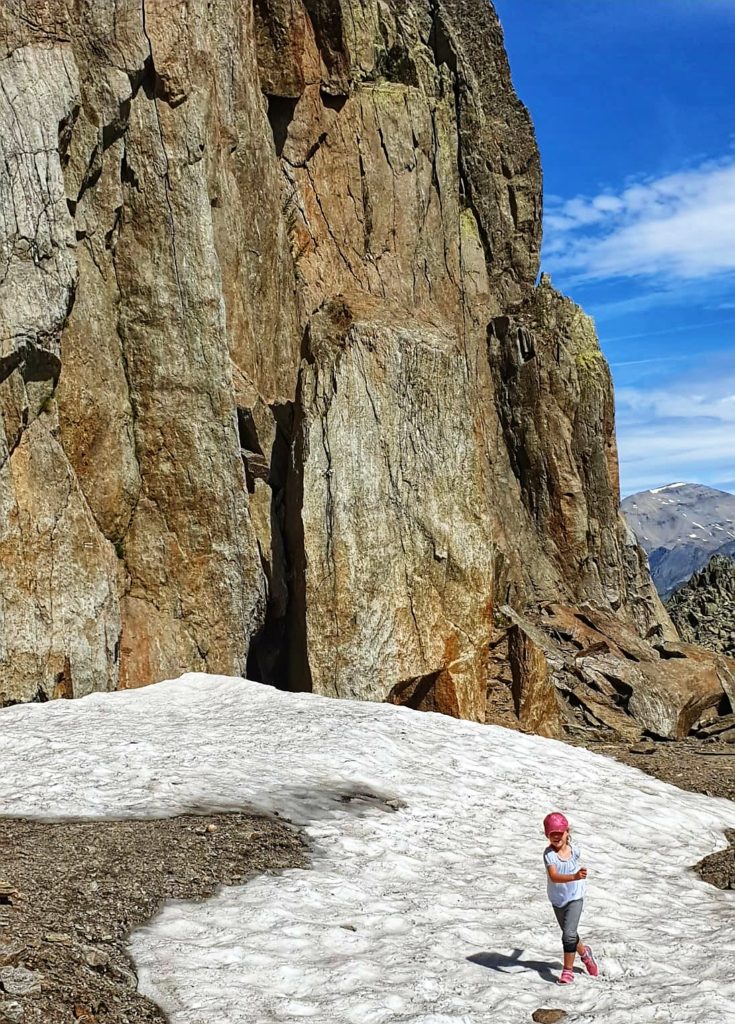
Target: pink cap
{"x":555,"y":822}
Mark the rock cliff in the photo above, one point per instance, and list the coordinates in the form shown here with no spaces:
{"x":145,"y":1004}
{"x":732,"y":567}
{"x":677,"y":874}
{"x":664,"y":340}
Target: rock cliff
{"x":279,"y":392}
{"x":703,"y":610}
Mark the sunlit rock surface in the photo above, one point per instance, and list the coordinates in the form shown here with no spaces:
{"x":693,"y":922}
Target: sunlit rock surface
{"x":278,"y":389}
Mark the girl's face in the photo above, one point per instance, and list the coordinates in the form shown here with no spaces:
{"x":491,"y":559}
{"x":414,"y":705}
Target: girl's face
{"x":557,"y":839}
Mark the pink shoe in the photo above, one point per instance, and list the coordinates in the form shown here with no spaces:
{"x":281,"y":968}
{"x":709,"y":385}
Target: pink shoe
{"x":589,"y":962}
{"x":566,"y":977}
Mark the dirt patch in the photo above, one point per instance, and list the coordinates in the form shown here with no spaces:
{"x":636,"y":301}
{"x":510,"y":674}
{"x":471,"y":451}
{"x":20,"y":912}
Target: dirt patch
{"x":695,"y":765}
{"x":70,"y":893}
{"x":719,"y":868}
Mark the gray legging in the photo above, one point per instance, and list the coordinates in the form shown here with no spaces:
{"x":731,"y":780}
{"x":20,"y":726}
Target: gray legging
{"x":568,"y":918}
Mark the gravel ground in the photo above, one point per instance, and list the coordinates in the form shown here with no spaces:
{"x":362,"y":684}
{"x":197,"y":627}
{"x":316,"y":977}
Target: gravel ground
{"x":701,"y":766}
{"x":70,"y":893}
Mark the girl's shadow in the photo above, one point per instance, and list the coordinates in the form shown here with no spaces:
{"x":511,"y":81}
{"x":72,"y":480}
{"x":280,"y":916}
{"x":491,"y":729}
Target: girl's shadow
{"x":505,"y":964}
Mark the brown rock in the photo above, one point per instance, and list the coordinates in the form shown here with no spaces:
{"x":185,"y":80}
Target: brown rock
{"x":534,"y":694}
{"x":547,"y":1016}
{"x":674,"y":694}
{"x":278,"y":391}
{"x":643,"y":748}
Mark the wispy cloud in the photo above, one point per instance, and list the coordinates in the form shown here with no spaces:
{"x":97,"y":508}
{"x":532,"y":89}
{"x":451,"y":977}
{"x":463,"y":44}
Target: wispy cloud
{"x":681,"y":225}
{"x":685,"y":431}
{"x":648,"y":361}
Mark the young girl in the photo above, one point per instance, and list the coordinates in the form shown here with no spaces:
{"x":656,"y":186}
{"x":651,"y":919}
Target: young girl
{"x":566,"y":885}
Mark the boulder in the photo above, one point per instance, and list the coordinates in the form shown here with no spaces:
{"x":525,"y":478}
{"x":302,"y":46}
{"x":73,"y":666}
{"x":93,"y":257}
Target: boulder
{"x":534,"y":694}
{"x":614,"y":682}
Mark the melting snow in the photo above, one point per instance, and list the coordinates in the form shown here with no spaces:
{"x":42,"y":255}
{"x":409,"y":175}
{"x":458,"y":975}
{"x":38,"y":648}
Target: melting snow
{"x":434,"y":914}
{"x":668,"y":487}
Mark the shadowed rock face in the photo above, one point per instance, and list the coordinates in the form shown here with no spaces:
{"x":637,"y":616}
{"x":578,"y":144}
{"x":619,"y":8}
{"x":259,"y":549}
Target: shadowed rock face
{"x":278,"y":391}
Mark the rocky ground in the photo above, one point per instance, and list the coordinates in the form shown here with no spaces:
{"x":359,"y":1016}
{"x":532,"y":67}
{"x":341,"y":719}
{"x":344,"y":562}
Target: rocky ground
{"x":71,"y":892}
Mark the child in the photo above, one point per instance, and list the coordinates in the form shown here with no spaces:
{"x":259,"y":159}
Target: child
{"x":565,"y":886}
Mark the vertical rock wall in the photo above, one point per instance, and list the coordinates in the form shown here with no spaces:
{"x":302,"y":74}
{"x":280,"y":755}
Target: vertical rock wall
{"x":278,"y":391}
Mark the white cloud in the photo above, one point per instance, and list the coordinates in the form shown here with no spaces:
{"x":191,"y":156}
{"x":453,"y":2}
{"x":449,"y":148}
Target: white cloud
{"x":667,"y":404}
{"x":681,"y":225}
{"x":681,"y":432}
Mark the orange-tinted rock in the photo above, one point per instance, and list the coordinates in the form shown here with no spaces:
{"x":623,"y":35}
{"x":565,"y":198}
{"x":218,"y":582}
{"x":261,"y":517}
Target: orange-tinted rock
{"x":534,"y":693}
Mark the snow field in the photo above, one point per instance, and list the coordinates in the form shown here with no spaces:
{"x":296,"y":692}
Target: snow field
{"x":435,"y":913}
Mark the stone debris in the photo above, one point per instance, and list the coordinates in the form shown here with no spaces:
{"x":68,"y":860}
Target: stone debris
{"x":63,"y":955}
{"x":19,"y":981}
{"x":586,"y":671}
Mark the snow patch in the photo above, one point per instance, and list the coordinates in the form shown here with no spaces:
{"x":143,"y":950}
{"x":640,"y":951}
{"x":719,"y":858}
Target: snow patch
{"x":668,"y":487}
{"x":433,"y":914}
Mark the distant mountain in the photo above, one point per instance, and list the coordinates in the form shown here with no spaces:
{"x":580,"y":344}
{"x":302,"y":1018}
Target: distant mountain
{"x":680,"y":527}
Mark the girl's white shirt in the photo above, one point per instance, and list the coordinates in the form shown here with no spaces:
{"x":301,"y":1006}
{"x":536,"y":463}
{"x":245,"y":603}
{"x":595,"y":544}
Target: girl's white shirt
{"x":561,"y":893}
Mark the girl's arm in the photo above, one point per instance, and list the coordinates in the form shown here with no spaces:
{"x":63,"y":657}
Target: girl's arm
{"x":556,"y":877}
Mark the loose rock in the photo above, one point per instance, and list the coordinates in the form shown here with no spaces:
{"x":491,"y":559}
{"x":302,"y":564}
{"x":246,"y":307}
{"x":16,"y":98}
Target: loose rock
{"x":542,"y":1016}
{"x":87,"y":884}
{"x":12,"y":1012}
{"x":645,"y":747}
{"x":19,"y":981}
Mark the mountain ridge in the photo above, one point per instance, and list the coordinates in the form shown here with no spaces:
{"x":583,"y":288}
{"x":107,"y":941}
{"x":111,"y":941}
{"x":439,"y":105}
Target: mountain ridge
{"x":680,"y":526}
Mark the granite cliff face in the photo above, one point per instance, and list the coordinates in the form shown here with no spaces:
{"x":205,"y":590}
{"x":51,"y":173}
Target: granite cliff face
{"x":703,"y":610}
{"x":279,"y":393}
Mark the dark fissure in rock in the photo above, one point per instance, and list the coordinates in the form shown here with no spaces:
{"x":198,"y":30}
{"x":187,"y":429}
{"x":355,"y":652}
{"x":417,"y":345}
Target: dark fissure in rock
{"x":326,"y":19}
{"x":280,"y":114}
{"x":396,"y":65}
{"x":332,"y":102}
{"x":254,"y":462}
{"x":277,"y":654}
{"x":439,"y":43}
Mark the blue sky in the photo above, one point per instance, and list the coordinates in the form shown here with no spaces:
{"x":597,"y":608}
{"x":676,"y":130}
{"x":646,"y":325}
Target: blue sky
{"x":633,"y":103}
